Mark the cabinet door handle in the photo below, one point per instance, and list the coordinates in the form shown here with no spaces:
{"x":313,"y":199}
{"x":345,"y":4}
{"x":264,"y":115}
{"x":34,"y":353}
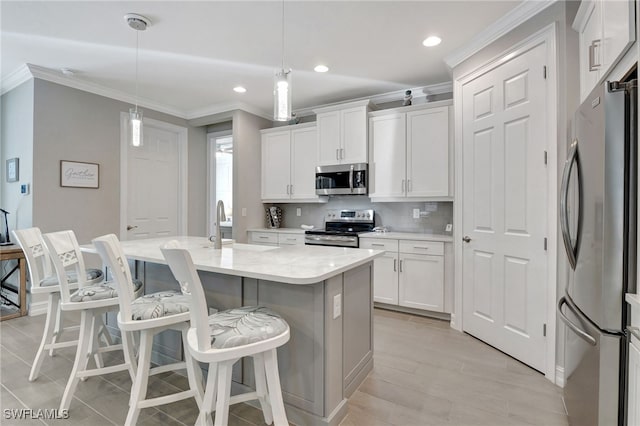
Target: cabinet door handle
{"x":337,"y":154}
{"x":395,"y":263}
{"x":377,"y":245}
{"x":342,"y":153}
{"x":400,"y":265}
{"x":419,"y":247}
{"x":291,"y":189}
{"x":287,"y":189}
{"x":409,"y":186}
{"x":403,"y":186}
{"x":264,"y":238}
{"x":593,"y":66}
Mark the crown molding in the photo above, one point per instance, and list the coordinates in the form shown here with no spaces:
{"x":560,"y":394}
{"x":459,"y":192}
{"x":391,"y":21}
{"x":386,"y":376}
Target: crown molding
{"x":521,"y":13}
{"x":15,"y":79}
{"x":222,"y":108}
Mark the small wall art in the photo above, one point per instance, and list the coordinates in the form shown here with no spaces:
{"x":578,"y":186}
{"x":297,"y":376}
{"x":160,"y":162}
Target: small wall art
{"x":74,"y":174}
{"x":13,"y":169}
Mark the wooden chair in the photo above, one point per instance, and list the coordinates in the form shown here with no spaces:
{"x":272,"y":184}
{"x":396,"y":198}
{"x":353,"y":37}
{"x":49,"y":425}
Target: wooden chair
{"x":92,"y":301}
{"x":149,"y":315}
{"x":224,"y":338}
{"x":44,"y":281}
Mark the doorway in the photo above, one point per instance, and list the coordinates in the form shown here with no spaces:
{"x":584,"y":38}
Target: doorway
{"x":220,"y":172}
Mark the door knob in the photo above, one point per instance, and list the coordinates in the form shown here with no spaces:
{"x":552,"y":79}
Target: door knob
{"x":129,"y":227}
{"x":466,"y":239}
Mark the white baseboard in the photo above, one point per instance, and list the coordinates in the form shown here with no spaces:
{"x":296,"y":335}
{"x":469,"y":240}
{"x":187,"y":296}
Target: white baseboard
{"x":38,"y":308}
{"x":560,"y":376}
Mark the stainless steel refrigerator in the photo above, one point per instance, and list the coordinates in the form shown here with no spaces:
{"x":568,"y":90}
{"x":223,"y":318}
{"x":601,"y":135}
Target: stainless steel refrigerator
{"x":598,"y":202}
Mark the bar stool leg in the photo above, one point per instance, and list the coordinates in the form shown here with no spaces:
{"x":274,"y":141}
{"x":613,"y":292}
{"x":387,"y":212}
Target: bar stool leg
{"x":59,"y":327}
{"x":261,"y":387}
{"x":129,"y":354}
{"x":82,"y":357}
{"x":273,"y":382}
{"x":194,"y":373}
{"x":224,"y":392}
{"x":139,"y":388}
{"x":209,"y":397}
{"x":48,"y":336}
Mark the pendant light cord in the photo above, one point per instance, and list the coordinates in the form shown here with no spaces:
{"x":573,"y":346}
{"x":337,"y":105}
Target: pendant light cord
{"x":282,"y":64}
{"x":137,"y":50}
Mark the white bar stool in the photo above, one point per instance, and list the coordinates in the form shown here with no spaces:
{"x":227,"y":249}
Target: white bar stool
{"x":149,"y":314}
{"x":224,"y":338}
{"x":92,"y":300}
{"x":44,"y":281}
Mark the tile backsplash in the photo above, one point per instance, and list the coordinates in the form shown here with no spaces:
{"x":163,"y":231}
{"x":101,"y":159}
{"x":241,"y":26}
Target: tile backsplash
{"x":395,"y":216}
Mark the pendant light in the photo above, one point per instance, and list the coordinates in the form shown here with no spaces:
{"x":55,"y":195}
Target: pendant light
{"x":138,"y":23}
{"x":282,"y":87}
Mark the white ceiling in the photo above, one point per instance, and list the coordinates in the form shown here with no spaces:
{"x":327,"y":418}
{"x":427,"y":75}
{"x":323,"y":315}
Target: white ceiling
{"x":194,"y":53}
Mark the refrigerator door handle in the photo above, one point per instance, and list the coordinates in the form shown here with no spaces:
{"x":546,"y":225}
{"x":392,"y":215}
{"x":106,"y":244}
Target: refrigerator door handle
{"x":571,"y":250}
{"x":581,"y":334}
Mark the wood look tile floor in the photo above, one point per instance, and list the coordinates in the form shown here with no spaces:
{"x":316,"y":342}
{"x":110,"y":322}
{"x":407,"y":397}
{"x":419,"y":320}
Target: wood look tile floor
{"x":424,"y":374}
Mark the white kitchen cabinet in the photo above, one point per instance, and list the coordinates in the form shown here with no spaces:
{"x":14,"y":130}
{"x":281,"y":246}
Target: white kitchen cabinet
{"x":406,"y":276}
{"x":275,"y":237}
{"x":342,"y":133}
{"x":633,"y":410}
{"x":288,"y":164}
{"x":606,"y":30}
{"x":410,"y":153}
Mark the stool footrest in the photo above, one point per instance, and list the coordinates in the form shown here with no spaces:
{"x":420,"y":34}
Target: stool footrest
{"x":109,"y":348}
{"x":166,"y":399}
{"x":243,"y":397}
{"x":103,"y":370}
{"x":58,"y":345}
{"x":167,"y":367}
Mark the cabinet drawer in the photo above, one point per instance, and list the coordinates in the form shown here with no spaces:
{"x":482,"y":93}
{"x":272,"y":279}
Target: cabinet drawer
{"x":264,"y":238}
{"x":290,"y":239}
{"x":379,"y":244}
{"x":422,"y":247}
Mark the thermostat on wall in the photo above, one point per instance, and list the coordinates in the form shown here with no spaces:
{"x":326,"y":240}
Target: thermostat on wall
{"x":24,"y":189}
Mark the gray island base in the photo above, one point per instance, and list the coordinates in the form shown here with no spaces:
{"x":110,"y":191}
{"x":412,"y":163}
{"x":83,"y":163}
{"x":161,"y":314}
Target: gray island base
{"x":324,"y":293}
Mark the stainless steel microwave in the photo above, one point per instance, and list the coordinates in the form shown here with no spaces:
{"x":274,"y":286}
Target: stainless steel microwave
{"x":343,"y":179}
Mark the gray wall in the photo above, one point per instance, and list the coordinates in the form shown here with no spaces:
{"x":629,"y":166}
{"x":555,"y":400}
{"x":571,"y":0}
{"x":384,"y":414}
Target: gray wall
{"x":247,"y":168}
{"x":71,"y":124}
{"x":16,"y":140}
{"x":562,"y":14}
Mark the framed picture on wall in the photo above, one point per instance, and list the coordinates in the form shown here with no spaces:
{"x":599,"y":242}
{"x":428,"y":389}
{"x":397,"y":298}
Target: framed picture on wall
{"x":74,"y":174}
{"x":13,"y":169}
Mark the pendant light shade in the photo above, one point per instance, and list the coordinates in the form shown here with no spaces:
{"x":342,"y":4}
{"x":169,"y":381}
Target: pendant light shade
{"x":136,"y":136}
{"x":282,"y":87}
{"x":282,"y":96}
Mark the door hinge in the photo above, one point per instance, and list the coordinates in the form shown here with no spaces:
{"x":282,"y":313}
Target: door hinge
{"x":545,"y":158}
{"x":544,"y":330}
{"x":545,"y":243}
{"x":544,"y":72}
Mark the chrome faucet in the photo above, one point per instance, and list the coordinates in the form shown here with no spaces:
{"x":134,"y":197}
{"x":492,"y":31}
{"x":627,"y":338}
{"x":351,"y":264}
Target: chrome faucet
{"x":220,"y":216}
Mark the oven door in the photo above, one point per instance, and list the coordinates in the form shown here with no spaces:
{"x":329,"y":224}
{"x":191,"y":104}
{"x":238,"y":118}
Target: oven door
{"x":331,"y":240}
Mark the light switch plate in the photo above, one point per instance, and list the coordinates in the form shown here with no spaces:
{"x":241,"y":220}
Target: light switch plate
{"x":244,"y":212}
{"x":449,"y":227}
{"x":298,"y":211}
{"x":416,"y":213}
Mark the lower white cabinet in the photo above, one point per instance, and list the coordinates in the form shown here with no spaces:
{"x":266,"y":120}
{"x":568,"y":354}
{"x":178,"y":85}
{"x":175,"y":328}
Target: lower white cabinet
{"x":410,"y":274}
{"x":633,"y":410}
{"x":275,"y":238}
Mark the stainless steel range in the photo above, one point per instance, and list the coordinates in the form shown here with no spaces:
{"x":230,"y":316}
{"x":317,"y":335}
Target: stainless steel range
{"x":342,"y":228}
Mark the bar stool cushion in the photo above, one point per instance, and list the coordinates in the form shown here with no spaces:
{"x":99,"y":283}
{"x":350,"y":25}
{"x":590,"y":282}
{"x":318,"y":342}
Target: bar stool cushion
{"x":92,"y":275}
{"x":100,"y":291}
{"x":160,"y":304}
{"x":241,"y":326}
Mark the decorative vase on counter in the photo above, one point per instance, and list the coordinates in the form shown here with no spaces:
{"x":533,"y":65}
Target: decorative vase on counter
{"x":274,"y":217}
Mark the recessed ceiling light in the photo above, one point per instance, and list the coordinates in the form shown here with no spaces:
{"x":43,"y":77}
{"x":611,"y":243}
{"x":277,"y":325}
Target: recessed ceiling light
{"x":432,"y":41}
{"x":239,"y":89}
{"x":321,"y":68}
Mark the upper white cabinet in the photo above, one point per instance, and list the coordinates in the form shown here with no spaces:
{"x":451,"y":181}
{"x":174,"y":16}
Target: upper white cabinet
{"x":606,"y":29}
{"x":288,"y":164}
{"x":410,"y":153}
{"x":342,"y":133}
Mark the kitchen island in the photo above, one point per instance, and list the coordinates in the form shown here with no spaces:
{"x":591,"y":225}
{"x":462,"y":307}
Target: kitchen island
{"x":324,"y":293}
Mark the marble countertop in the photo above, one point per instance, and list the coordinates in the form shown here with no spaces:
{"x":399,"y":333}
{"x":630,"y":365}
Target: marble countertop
{"x":408,"y":236}
{"x":292,"y":264}
{"x":633,"y":300}
{"x":280,"y":230}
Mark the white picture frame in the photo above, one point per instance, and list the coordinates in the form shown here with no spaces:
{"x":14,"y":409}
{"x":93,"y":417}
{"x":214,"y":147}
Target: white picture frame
{"x":74,"y":174}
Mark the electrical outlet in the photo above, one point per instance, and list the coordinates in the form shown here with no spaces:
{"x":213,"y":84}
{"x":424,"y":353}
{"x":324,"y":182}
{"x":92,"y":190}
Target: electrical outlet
{"x":337,"y":305}
{"x":416,"y":213}
{"x":449,"y":227}
{"x":244,"y":212}
{"x":298,"y":212}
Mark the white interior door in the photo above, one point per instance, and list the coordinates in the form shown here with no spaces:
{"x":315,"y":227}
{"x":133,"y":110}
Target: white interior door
{"x":505,"y":207}
{"x":153,"y":185}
